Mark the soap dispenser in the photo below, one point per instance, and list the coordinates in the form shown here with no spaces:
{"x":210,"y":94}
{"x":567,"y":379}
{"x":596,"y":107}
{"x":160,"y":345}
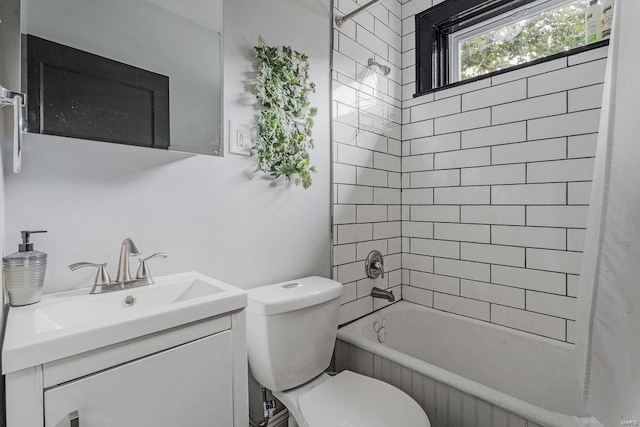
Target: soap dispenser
{"x":23,"y":272}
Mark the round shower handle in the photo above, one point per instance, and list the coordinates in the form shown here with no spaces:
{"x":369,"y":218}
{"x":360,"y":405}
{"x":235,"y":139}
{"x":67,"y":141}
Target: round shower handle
{"x":374,"y":265}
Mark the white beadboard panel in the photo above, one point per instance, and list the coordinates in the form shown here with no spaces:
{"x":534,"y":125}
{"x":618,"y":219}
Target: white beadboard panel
{"x":531,"y":108}
{"x":469,"y":120}
{"x":494,"y":254}
{"x":576,"y":239}
{"x":547,"y":149}
{"x":499,"y":417}
{"x":553,"y":305}
{"x":462,"y":196}
{"x":539,"y":324}
{"x":529,"y":194}
{"x":417,"y":196}
{"x":435,"y":109}
{"x":533,"y":70}
{"x":463,"y":306}
{"x":579,"y":193}
{"x":462,"y":269}
{"x":363,"y":248}
{"x":344,"y":254}
{"x":422,"y":230}
{"x":371,"y":213}
{"x":586,"y":74}
{"x":536,"y":280}
{"x":436,"y":248}
{"x":494,"y":95}
{"x":582,"y":145}
{"x":355,"y":309}
{"x":386,"y":196}
{"x":344,"y":214}
{"x":385,"y":230}
{"x":351,"y":155}
{"x":435,"y":144}
{"x":417,"y":130}
{"x":417,"y":262}
{"x":351,"y":272}
{"x":371,"y":177}
{"x":586,"y":98}
{"x":492,"y":293}
{"x":417,"y":163}
{"x":495,"y":135}
{"x":439,"y":178}
{"x":564,"y":125}
{"x":436,"y":213}
{"x":354,"y":194}
{"x":434,"y":282}
{"x":344,"y":174}
{"x":463,"y":158}
{"x":506,"y":215}
{"x":557,"y":216}
{"x":354,"y":233}
{"x":488,"y":175}
{"x":534,"y":237}
{"x":463,"y":232}
{"x":549,"y":260}
{"x":417,"y":295}
{"x":561,"y":170}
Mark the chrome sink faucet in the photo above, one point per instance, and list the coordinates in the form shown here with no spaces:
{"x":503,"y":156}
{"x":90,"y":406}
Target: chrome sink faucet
{"x":127,"y":249}
{"x":103,"y":282}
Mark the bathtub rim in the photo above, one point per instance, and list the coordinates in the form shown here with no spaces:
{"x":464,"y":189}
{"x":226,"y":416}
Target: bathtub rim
{"x":351,"y":334}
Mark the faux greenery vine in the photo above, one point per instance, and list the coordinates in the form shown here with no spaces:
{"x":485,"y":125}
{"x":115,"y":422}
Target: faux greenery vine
{"x":285,"y":122}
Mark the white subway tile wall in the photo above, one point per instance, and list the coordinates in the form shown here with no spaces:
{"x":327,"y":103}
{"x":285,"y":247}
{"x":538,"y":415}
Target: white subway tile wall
{"x":479,"y":197}
{"x":367,"y":164}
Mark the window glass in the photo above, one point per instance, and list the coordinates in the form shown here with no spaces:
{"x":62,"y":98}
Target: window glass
{"x":540,"y":29}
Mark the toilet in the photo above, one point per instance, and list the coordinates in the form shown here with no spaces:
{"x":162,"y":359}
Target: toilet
{"x":291,"y":333}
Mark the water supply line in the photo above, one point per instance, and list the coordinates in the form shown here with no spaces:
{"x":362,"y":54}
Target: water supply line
{"x":342,"y":19}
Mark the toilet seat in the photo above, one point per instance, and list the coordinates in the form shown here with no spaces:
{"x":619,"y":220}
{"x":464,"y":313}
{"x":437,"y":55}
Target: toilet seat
{"x":353,"y":400}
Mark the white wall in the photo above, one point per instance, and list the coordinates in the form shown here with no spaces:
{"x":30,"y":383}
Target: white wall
{"x":212,"y":214}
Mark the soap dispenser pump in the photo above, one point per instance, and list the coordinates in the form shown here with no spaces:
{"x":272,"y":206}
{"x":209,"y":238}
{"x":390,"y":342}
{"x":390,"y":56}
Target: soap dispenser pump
{"x":23,"y":272}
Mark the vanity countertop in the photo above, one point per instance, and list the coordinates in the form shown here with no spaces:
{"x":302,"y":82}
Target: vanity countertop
{"x":73,"y":322}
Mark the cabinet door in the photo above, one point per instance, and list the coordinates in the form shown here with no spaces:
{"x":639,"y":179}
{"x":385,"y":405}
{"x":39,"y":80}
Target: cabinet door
{"x":189,"y":385}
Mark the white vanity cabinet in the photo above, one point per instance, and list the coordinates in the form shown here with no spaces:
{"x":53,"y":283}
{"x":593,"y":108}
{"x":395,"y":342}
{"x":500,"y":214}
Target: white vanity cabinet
{"x":189,"y":385}
{"x":183,"y":363}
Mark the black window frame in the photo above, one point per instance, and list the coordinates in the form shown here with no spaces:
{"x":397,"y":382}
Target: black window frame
{"x":434,"y":25}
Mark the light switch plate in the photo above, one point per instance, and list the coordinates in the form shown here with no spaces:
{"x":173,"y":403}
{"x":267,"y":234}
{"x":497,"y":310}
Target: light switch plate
{"x":239,"y":138}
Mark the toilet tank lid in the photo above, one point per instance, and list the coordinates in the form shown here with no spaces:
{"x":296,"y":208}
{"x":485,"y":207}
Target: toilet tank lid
{"x":292,"y":295}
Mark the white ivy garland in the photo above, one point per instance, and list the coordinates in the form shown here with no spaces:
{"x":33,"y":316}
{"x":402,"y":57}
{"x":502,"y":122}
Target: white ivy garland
{"x":285,"y":122}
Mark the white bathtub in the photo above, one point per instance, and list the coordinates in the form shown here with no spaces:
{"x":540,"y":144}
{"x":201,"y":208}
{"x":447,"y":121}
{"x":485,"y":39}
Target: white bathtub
{"x":466,"y":372}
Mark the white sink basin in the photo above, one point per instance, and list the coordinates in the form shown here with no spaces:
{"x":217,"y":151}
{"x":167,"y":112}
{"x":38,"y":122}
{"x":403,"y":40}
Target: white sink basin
{"x":73,"y":322}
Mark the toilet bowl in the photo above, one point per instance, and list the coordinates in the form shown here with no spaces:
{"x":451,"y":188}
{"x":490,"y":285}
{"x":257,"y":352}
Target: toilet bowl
{"x":291,"y":333}
{"x":350,"y":399}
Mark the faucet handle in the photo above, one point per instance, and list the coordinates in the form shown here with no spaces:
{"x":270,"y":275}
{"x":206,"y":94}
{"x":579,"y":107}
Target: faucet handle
{"x":143,"y":270}
{"x":102,"y":276}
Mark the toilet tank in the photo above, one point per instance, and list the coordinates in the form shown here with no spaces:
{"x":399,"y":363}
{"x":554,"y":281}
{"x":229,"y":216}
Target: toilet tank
{"x":291,"y":330}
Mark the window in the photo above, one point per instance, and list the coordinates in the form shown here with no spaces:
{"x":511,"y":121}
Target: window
{"x":460,"y":40}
